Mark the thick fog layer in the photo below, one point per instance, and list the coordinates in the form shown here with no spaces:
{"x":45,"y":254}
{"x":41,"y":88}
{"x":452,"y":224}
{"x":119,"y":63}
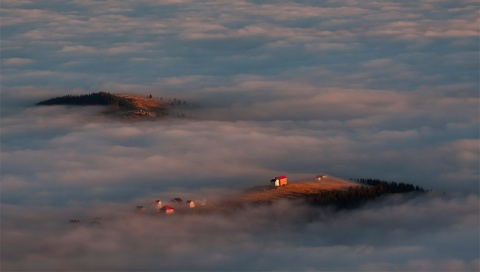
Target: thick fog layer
{"x":373,"y":89}
{"x":426,"y":234}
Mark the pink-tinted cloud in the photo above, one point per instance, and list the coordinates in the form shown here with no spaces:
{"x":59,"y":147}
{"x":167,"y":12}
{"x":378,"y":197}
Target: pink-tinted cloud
{"x":415,"y":231}
{"x":17,"y":61}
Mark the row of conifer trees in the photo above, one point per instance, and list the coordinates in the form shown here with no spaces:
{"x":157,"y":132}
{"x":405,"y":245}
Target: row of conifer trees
{"x":100,"y":98}
{"x":358,"y":195}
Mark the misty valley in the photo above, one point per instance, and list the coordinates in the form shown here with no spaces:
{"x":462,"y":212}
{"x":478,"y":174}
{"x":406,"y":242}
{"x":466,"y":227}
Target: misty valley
{"x":214,"y":135}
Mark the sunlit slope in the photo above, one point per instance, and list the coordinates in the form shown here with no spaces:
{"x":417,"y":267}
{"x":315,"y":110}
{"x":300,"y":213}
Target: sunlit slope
{"x":293,"y":190}
{"x":143,"y":103}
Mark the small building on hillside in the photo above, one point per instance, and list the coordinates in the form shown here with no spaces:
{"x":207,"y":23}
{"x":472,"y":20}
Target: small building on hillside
{"x":321,"y":176}
{"x":74,"y":221}
{"x":278,"y":181}
{"x":167,"y":209}
{"x":191,"y":204}
{"x":157,"y":204}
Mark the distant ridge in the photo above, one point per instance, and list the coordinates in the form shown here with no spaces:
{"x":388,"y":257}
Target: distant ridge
{"x":124,"y":105}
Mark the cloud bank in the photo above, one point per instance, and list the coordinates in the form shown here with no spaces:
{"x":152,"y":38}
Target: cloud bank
{"x":427,"y":234}
{"x":385,"y":90}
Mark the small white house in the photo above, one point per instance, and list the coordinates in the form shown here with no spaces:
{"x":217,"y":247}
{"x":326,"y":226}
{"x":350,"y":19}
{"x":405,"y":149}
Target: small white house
{"x":320,"y":177}
{"x":190,"y":204}
{"x":157,"y":204}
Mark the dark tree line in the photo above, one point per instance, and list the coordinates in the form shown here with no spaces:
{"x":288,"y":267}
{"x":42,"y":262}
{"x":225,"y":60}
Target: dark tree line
{"x":356,"y":196}
{"x":100,"y":98}
{"x":392,"y":187}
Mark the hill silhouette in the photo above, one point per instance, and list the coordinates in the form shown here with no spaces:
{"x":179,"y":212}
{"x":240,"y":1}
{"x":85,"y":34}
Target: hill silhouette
{"x":123,"y":104}
{"x":100,"y":98}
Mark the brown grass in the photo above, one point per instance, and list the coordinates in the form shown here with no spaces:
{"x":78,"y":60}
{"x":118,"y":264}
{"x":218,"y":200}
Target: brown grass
{"x":144,"y":103}
{"x":293,"y":190}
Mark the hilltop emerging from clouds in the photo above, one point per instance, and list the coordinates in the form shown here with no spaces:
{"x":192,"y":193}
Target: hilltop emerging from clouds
{"x":131,"y":106}
{"x":354,"y":88}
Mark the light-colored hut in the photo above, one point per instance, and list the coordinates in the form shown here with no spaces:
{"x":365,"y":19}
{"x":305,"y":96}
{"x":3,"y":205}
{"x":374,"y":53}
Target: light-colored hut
{"x":190,"y":203}
{"x":157,"y":204}
{"x":320,"y":177}
{"x":278,"y":181}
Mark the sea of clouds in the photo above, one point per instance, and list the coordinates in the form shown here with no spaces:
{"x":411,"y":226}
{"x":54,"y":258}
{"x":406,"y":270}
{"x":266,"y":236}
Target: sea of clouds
{"x":385,"y":90}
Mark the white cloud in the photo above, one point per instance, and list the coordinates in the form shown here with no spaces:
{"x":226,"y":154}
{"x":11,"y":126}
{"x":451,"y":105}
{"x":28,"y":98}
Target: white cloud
{"x":398,"y":235}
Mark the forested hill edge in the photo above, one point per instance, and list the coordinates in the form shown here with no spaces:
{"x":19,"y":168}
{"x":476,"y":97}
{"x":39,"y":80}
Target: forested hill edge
{"x":353,"y":197}
{"x":93,"y":99}
{"x":124,"y":105}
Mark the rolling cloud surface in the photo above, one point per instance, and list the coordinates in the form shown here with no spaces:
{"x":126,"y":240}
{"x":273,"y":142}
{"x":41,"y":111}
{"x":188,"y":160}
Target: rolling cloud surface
{"x":386,"y":89}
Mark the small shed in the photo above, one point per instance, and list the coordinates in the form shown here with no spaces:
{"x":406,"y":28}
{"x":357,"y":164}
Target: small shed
{"x":190,"y":203}
{"x":74,"y":221}
{"x":321,"y":176}
{"x":157,"y":204}
{"x":167,"y":209}
{"x":278,"y":181}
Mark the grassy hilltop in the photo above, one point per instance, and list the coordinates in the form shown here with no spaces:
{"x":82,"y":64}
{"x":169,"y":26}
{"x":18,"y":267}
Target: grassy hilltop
{"x":329,"y":191}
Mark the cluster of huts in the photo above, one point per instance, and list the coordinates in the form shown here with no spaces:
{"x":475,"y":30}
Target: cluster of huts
{"x":175,"y":203}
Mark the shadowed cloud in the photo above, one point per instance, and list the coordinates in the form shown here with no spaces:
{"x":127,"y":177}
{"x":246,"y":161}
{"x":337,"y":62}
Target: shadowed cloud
{"x":375,"y":89}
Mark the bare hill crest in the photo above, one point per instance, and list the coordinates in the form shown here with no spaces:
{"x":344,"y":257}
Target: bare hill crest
{"x":295,"y":189}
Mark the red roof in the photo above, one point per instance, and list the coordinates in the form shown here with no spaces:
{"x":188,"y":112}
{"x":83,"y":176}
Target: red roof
{"x":282,"y":177}
{"x":167,"y":207}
